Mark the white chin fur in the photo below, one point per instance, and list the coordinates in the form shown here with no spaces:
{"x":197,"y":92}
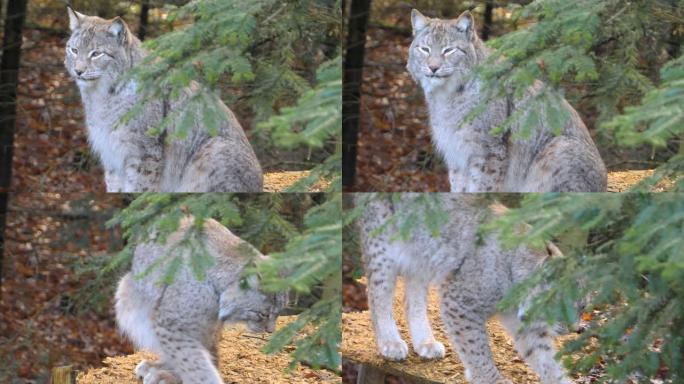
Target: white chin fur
{"x":430,"y":83}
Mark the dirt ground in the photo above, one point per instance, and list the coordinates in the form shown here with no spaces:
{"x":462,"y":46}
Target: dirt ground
{"x":240,"y":362}
{"x":358,"y":346}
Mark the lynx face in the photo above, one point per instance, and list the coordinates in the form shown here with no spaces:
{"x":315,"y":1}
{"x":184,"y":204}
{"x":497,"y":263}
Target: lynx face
{"x":246,"y":304}
{"x":97,"y":51}
{"x":441,"y":49}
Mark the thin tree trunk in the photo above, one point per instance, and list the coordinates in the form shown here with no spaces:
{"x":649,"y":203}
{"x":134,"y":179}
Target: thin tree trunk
{"x":144,"y":16}
{"x":487,"y":24}
{"x":9,"y":70}
{"x":351,"y":96}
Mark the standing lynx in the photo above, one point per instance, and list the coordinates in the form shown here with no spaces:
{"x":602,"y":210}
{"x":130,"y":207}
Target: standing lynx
{"x":441,"y":58}
{"x":182,"y":321}
{"x":98,"y":53}
{"x":472,"y":277}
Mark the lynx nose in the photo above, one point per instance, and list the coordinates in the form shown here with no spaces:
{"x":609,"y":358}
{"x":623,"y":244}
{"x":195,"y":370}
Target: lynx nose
{"x":79,"y":72}
{"x":434,"y":68}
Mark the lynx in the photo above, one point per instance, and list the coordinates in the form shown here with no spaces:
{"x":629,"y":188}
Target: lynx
{"x":472,"y":273}
{"x":98,"y":53}
{"x":182,"y":321}
{"x":441,"y":59}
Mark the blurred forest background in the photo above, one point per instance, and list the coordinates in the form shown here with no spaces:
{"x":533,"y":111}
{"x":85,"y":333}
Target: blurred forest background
{"x":64,"y":254}
{"x":603,"y":56}
{"x":278,"y":56}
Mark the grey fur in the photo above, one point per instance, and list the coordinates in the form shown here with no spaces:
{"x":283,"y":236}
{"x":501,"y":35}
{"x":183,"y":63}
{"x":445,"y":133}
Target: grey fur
{"x":182,"y":322}
{"x":98,"y":53}
{"x":477,"y":160}
{"x":472,"y":277}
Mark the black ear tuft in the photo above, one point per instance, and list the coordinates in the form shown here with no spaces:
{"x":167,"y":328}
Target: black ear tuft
{"x":418,"y":21}
{"x":465,"y":24}
{"x":75,"y":18}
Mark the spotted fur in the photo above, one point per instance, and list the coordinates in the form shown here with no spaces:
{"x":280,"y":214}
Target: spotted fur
{"x":98,"y":53}
{"x":471,"y":275}
{"x":182,"y":321}
{"x":441,"y":59}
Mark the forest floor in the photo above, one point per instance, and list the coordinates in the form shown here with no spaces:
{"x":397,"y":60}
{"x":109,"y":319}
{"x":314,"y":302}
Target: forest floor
{"x":51,"y":151}
{"x":54,"y":311}
{"x":395,"y":152}
{"x":240,"y":361}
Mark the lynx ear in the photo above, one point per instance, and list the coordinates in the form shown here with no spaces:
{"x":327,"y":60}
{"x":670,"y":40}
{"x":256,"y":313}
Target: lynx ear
{"x":418,"y":21}
{"x":465,"y":24}
{"x":119,"y":30}
{"x":75,"y":19}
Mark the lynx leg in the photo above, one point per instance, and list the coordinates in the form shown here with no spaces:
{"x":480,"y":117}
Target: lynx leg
{"x":188,"y":357}
{"x":381,"y":283}
{"x":457,"y":181}
{"x":465,"y":325}
{"x":113,"y":181}
{"x":535,"y":344}
{"x":424,"y":342}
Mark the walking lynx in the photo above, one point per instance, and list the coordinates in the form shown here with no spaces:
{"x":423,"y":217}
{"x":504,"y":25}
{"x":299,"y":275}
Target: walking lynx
{"x":473,"y":273}
{"x":182,"y":321}
{"x":441,"y":59}
{"x":98,"y":53}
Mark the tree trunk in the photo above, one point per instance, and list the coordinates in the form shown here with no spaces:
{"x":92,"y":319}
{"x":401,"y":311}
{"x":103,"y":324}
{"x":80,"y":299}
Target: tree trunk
{"x":144,"y":16}
{"x":351,"y":96}
{"x":487,"y":24}
{"x":9,"y":69}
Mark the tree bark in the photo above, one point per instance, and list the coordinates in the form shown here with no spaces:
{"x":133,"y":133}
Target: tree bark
{"x":144,"y":19}
{"x":487,"y":24}
{"x":351,"y":96}
{"x":9,"y":70}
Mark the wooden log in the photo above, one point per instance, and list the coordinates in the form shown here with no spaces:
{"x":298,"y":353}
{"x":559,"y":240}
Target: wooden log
{"x":63,"y":375}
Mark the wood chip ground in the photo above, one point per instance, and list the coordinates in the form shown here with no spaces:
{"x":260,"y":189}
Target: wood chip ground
{"x":241,"y":361}
{"x":358,"y":345}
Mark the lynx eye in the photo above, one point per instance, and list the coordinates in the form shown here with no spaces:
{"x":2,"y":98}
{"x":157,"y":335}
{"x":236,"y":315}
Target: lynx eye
{"x":96,"y":54}
{"x":425,"y":49}
{"x":450,"y":50}
{"x":73,"y":50}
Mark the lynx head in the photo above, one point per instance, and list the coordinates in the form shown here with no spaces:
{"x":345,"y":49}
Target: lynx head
{"x":246,"y":303}
{"x":442,"y":50}
{"x":99,"y":50}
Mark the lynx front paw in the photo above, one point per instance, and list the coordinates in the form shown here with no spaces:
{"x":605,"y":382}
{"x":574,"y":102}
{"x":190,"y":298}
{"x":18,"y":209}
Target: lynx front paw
{"x":393,"y":349}
{"x":144,"y":368}
{"x":431,"y":350}
{"x":161,"y":377}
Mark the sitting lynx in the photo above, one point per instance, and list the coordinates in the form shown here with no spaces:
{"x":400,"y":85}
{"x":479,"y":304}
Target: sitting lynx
{"x":441,"y":56}
{"x":182,"y":321}
{"x":98,"y":53}
{"x":472,"y":277}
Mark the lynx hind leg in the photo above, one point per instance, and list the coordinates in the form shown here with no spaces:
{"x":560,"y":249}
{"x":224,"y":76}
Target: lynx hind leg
{"x":223,"y":165}
{"x":465,"y":325}
{"x":535,"y":345}
{"x":416,"y":296}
